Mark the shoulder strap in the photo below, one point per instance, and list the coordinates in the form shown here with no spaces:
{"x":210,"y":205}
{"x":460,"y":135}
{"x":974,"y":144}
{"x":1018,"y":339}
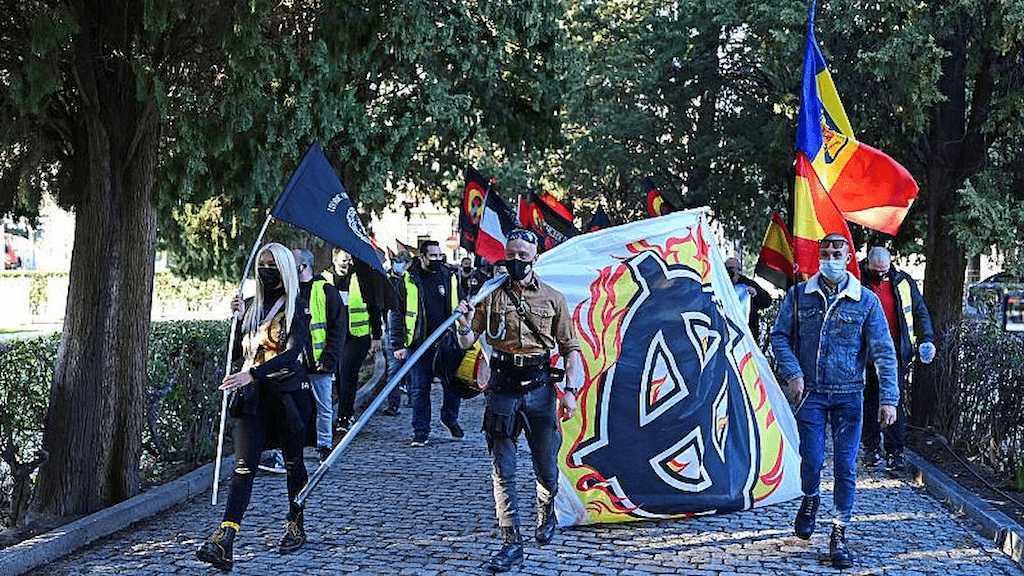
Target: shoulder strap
{"x":521,"y":310}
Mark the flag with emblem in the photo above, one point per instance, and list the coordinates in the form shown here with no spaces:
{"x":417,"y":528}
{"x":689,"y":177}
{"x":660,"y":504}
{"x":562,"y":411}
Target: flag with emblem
{"x":866,"y":185}
{"x":472,"y":209}
{"x":316,"y":201}
{"x":688,"y":417}
{"x":657,"y":205}
{"x":548,"y":217}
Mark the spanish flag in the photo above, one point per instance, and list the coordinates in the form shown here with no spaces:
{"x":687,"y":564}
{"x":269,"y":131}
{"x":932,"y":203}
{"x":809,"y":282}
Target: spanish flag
{"x":865,"y":185}
{"x":815,"y":216}
{"x":776,"y":262}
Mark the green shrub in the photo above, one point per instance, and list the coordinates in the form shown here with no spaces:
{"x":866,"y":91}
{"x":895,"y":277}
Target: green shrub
{"x":26,"y":370}
{"x":182,"y":409}
{"x":983,"y":416}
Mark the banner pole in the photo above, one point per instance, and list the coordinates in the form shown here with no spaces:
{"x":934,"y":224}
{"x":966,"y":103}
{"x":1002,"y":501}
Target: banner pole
{"x":335,"y":454}
{"x":227,"y":361}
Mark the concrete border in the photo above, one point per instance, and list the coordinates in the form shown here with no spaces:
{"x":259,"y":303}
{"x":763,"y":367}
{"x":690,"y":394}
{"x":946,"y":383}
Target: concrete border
{"x":1006,"y":533}
{"x":64,"y":540}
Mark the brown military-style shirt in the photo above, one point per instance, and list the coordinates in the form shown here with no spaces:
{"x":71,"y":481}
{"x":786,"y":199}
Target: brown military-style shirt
{"x":496,"y":317}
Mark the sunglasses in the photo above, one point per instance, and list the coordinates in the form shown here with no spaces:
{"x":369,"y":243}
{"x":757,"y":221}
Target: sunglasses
{"x":831,"y":243}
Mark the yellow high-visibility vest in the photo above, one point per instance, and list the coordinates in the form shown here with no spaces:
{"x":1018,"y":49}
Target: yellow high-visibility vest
{"x":412,"y":304}
{"x":318,"y":317}
{"x":358,"y":313}
{"x":907,"y":307}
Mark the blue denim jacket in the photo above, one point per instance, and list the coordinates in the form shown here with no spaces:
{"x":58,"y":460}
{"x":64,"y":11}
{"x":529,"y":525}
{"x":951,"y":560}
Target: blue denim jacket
{"x":835,"y":343}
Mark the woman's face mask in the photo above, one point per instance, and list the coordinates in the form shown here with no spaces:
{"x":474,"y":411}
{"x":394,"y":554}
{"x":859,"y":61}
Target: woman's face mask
{"x":270,"y":277}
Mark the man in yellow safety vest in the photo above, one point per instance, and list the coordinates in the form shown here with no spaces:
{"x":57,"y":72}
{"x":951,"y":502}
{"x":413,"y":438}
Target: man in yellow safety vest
{"x":430,"y":293}
{"x":911,"y":328}
{"x":364,"y":333}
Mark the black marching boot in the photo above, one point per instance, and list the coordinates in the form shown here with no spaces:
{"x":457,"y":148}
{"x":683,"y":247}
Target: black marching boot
{"x":511,"y":553}
{"x":218,"y":549}
{"x":294,"y":533}
{"x":838,"y":550}
{"x":546,"y":523}
{"x":805,"y":517}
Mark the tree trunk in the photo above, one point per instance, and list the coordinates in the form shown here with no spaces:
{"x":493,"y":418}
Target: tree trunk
{"x":94,"y":422}
{"x":945,"y":269}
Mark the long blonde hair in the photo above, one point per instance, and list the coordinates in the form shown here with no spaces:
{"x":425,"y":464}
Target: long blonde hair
{"x":289,"y":276}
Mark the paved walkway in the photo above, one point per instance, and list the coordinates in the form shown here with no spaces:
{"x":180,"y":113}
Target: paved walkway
{"x":391,"y":509}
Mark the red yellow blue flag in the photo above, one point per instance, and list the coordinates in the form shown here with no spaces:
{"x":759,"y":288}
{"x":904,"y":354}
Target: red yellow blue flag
{"x":866,"y":185}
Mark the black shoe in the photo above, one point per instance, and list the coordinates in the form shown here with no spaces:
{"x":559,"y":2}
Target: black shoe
{"x":805,"y":517}
{"x":322,"y":453}
{"x":871,"y":458}
{"x":456,"y":431}
{"x":546,"y":523}
{"x":895,"y":464}
{"x":837,"y":549}
{"x":511,"y":553}
{"x":217,"y":550}
{"x":419,"y":441}
{"x":294,"y":535}
{"x":390,"y":411}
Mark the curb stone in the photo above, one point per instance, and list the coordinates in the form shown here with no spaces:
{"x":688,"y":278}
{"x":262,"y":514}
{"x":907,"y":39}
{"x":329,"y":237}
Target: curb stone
{"x":1007,"y":534}
{"x":64,"y":540}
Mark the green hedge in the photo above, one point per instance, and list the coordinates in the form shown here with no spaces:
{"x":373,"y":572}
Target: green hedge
{"x":167,"y":287}
{"x":184,"y":366}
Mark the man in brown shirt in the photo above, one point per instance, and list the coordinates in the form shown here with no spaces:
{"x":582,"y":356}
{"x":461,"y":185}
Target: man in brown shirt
{"x":523,"y":321}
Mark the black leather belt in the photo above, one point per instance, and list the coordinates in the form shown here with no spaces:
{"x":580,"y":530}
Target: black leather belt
{"x":521,"y":360}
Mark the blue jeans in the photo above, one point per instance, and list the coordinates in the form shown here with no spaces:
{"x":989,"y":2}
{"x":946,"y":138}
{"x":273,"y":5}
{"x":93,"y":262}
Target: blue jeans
{"x":421,"y":377}
{"x":323,"y":385}
{"x":393,"y":366}
{"x":843,"y":411}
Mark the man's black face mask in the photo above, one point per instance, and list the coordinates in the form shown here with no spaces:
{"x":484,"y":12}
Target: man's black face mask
{"x":518,"y":270}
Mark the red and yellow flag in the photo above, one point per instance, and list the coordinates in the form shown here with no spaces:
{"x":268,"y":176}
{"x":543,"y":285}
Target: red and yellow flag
{"x":776,"y":263}
{"x":866,"y":185}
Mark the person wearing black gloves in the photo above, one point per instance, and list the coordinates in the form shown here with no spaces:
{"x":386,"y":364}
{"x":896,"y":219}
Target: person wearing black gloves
{"x":270,"y":401}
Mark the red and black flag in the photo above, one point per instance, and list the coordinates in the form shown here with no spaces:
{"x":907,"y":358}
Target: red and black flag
{"x":599,"y":220}
{"x":473,"y":197}
{"x":547,"y":217}
{"x":657,"y":204}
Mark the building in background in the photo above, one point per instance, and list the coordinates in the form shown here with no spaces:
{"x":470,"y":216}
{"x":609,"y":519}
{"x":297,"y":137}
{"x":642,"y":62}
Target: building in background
{"x":412,"y":220}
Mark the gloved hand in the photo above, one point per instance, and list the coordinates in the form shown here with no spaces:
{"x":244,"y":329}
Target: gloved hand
{"x":926,"y":352}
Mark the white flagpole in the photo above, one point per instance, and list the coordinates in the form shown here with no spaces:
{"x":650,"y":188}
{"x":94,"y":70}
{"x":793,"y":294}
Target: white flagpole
{"x":335,"y":454}
{"x":227,"y":361}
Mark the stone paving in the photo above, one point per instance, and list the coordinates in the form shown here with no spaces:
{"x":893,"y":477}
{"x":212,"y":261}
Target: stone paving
{"x":388,"y":508}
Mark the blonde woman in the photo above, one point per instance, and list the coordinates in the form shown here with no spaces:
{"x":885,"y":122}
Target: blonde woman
{"x":270,"y":400}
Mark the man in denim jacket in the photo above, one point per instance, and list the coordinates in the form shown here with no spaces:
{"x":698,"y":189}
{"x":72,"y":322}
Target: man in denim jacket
{"x":828,"y":329}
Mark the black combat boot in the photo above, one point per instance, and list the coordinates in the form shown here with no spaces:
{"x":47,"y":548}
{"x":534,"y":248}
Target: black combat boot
{"x":546,"y":523}
{"x":294,"y":533}
{"x":837,"y":550}
{"x":217,"y":550}
{"x":511,"y":553}
{"x":805,"y":517}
